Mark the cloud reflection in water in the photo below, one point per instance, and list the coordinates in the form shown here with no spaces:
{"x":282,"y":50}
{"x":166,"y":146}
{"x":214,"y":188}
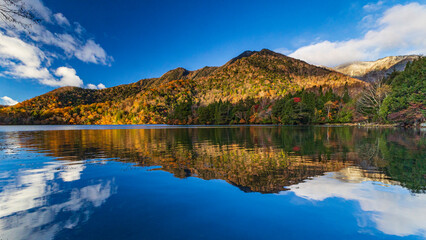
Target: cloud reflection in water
{"x":394,"y":209}
{"x":34,"y":204}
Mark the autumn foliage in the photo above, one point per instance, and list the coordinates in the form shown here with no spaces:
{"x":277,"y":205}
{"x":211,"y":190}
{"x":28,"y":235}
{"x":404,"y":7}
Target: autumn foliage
{"x":256,"y":87}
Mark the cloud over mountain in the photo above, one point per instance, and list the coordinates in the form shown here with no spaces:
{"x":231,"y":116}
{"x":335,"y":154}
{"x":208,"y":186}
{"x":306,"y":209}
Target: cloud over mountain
{"x":399,"y":31}
{"x":5,"y":100}
{"x":67,"y":77}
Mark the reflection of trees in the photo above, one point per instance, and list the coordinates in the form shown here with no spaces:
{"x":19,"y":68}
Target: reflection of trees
{"x":399,"y":154}
{"x":405,"y":164}
{"x":262,"y":159}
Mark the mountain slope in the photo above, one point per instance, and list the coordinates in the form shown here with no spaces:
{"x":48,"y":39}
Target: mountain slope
{"x":252,"y":75}
{"x":375,"y":70}
{"x":267,"y":74}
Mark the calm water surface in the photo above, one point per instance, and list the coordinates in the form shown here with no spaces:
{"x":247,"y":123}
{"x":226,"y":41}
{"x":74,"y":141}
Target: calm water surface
{"x":252,"y":182}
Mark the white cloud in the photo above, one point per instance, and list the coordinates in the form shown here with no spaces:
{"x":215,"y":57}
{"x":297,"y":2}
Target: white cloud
{"x":92,"y":52}
{"x":15,"y":48}
{"x":394,"y":209}
{"x":29,"y":52}
{"x":93,"y":86}
{"x":68,"y":77}
{"x":101,"y":86}
{"x":61,"y":19}
{"x":401,"y":30}
{"x":7,"y":101}
{"x":373,"y":6}
{"x":85,"y":50}
{"x":78,"y":28}
{"x":21,"y":59}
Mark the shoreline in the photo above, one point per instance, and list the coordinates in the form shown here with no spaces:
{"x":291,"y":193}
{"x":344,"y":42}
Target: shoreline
{"x":375,"y":125}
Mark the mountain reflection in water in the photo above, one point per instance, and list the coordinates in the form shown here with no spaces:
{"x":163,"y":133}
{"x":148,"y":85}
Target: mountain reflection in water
{"x":256,"y":159}
{"x":382,"y":169}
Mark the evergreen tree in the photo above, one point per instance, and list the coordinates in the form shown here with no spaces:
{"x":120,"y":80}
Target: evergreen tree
{"x":346,"y":98}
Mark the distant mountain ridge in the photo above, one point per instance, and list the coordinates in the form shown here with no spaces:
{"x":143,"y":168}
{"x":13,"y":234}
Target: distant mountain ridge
{"x":251,"y":75}
{"x":371,"y":71}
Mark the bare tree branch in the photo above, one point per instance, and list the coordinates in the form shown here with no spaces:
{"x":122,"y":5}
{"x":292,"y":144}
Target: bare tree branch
{"x":371,"y":99}
{"x":15,"y":12}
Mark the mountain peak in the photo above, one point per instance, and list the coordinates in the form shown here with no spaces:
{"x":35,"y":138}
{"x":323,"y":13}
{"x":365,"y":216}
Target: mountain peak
{"x":244,"y":54}
{"x":249,"y":53}
{"x":267,"y":51}
{"x":63,"y":89}
{"x":175,"y":74}
{"x":375,"y":70}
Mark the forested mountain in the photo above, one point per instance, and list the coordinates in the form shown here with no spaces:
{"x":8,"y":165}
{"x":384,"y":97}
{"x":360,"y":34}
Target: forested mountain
{"x":255,"y":87}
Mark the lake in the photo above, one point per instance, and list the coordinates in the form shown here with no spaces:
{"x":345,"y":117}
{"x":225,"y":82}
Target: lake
{"x":239,"y":182}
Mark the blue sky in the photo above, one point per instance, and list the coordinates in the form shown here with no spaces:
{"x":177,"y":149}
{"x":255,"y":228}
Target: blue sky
{"x":96,"y":42}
